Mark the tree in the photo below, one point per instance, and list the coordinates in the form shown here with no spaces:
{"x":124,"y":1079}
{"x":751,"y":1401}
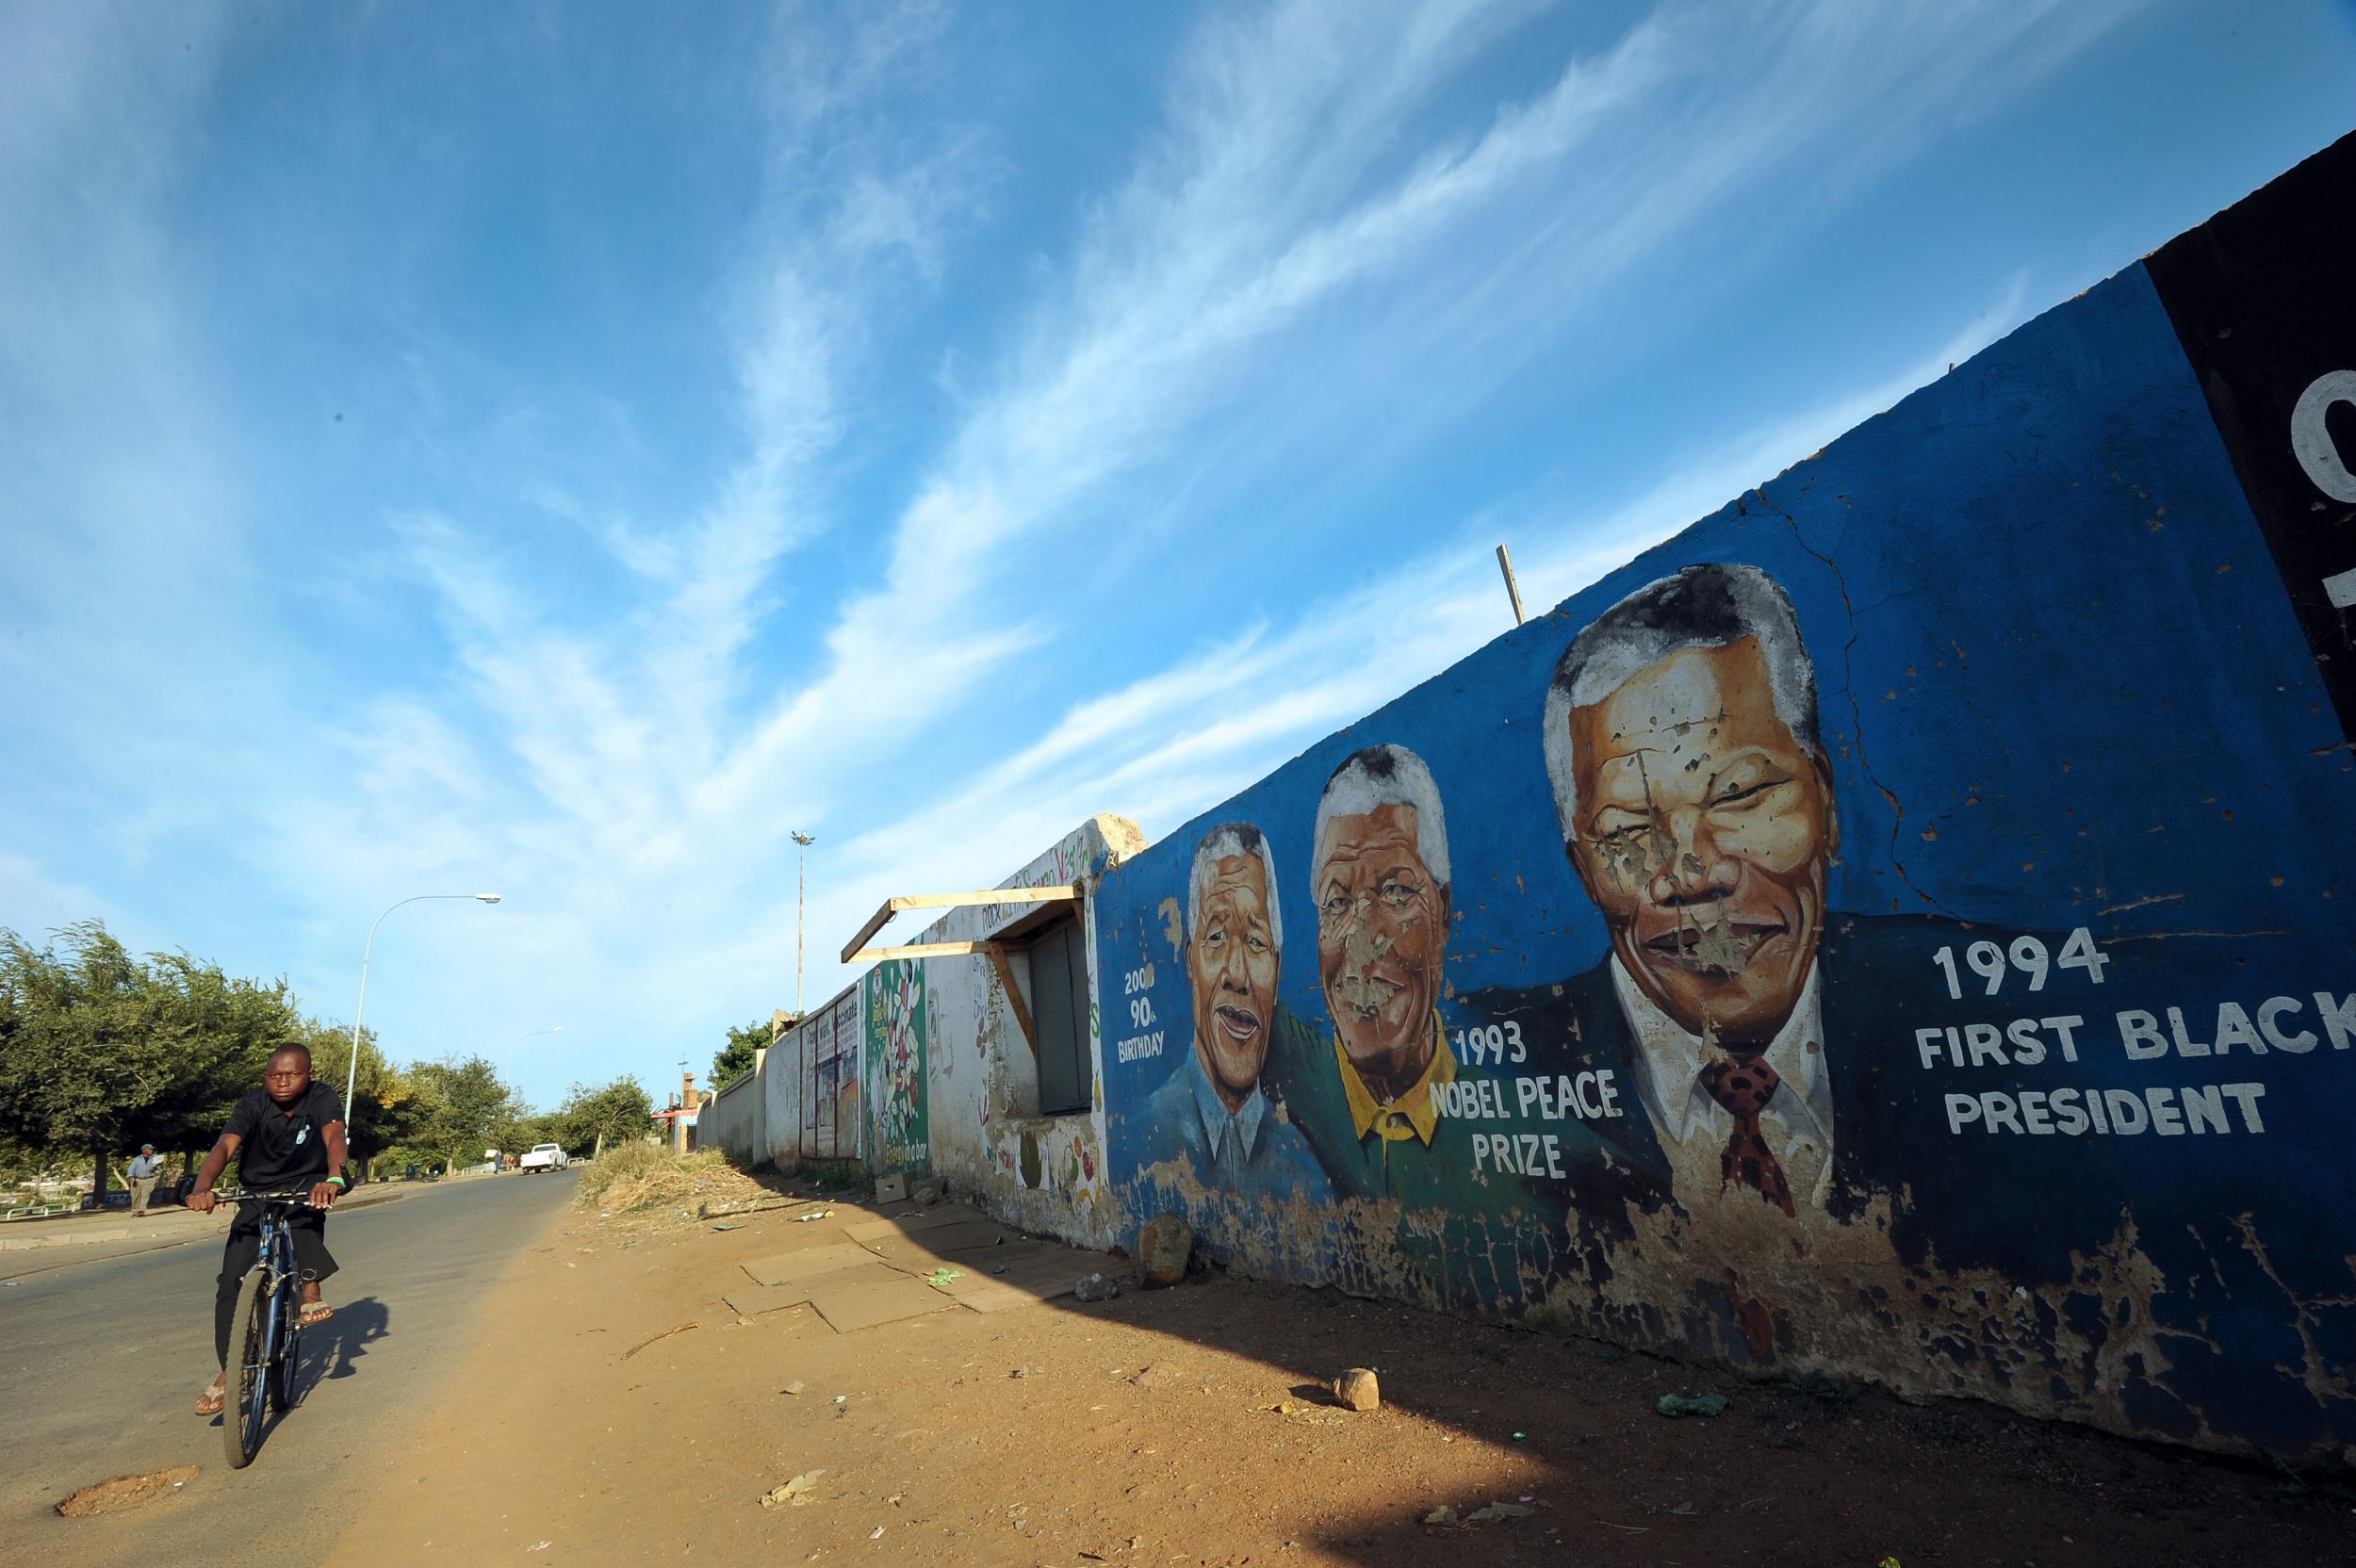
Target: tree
{"x":461,"y":1109}
{"x":383,"y":1106}
{"x":736,"y":1059}
{"x":592,"y":1117}
{"x":99,"y":1051}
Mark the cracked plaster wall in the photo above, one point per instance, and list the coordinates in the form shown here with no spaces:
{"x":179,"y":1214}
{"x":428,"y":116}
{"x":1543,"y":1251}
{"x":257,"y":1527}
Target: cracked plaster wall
{"x":2052,"y":918}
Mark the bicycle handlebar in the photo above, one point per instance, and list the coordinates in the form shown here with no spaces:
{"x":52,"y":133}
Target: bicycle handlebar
{"x":302,"y":1197}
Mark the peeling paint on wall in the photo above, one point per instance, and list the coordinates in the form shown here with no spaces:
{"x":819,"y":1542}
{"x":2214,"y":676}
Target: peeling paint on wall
{"x":1894,"y":929}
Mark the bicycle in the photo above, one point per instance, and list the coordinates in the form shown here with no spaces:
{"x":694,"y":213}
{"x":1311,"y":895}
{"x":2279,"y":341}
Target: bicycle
{"x":265,"y":1330}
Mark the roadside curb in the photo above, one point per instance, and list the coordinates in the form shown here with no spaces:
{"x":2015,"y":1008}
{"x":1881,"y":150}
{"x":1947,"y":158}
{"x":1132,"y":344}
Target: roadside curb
{"x":195,"y":1231}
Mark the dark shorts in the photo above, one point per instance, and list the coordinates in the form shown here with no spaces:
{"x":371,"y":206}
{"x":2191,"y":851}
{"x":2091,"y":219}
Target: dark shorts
{"x":312,"y":1259}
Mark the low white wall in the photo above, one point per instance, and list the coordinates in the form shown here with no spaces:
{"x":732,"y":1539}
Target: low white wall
{"x":987,"y":1140}
{"x":736,"y":1122}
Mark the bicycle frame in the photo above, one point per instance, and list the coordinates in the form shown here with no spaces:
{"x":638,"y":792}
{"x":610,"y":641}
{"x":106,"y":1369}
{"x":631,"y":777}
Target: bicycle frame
{"x":269,"y":1379}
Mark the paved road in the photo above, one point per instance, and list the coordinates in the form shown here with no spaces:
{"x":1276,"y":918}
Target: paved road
{"x":101,"y":1363}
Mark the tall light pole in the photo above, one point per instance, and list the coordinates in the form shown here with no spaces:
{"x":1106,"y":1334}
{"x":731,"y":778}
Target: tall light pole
{"x":533,"y":1036}
{"x":352,"y":1074}
{"x":801,"y":886}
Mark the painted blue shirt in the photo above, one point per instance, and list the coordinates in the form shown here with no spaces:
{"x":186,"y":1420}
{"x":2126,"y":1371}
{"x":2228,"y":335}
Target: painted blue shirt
{"x":1249,"y":1154}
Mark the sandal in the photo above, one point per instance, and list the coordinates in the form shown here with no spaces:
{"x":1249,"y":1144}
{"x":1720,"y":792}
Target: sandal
{"x":314,"y":1313}
{"x":209,"y":1401}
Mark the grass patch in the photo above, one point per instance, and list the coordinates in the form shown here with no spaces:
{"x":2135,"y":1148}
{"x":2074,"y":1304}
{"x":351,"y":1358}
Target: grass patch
{"x":640,"y":1177}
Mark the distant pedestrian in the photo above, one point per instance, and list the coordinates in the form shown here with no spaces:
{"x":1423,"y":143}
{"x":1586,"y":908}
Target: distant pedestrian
{"x":145,"y":1168}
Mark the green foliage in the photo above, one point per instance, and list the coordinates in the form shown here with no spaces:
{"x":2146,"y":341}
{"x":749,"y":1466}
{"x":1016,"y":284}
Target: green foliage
{"x":736,"y":1059}
{"x":101,"y":1050}
{"x":460,"y":1109}
{"x":618,"y":1113}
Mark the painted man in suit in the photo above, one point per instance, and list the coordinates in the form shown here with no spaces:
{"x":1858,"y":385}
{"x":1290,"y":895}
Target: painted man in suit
{"x":1770,"y":1041}
{"x":1212,"y":1112}
{"x":1696,"y":807}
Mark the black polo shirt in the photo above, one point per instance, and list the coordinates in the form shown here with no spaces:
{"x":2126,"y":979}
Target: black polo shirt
{"x":281,"y":1151}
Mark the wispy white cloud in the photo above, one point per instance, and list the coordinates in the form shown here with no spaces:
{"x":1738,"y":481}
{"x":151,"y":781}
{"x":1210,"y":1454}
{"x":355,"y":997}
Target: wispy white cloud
{"x":1327,"y":228}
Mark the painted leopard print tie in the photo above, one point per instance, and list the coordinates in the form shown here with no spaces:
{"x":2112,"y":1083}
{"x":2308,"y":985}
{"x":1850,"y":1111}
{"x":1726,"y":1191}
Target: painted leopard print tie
{"x":1743,"y":1085}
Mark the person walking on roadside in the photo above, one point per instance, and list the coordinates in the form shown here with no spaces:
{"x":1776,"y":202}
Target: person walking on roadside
{"x":145,"y":1168}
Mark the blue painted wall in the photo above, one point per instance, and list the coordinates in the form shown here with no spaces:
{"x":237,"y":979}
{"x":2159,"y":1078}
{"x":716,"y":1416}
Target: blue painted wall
{"x":2067,"y":680}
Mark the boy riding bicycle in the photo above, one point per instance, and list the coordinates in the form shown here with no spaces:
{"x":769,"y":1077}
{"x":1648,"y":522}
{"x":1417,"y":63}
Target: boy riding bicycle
{"x":289,"y":1134}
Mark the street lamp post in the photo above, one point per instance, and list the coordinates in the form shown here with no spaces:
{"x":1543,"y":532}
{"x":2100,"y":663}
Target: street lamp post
{"x":801,"y":884}
{"x":352,"y":1074}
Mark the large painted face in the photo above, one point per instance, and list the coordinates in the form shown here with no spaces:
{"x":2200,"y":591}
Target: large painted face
{"x":1232,"y":963}
{"x":1382,"y":936}
{"x":1704,"y":837}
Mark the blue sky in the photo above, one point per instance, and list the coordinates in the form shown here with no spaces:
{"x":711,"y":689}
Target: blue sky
{"x":562,"y":451}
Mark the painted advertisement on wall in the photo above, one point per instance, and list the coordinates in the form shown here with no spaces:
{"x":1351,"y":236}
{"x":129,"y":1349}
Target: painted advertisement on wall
{"x":895,"y":1063}
{"x":1900,"y":927}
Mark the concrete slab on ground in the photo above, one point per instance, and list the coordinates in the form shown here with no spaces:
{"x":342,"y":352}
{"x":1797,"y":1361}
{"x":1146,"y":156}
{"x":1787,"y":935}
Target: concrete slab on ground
{"x":808,"y":1263}
{"x":856,"y":1299}
{"x":912,"y":1221}
{"x":752,"y":1300}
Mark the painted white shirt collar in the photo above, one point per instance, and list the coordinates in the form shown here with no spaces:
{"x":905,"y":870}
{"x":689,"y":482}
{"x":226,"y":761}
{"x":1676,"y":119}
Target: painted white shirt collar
{"x":1218,"y":1123}
{"x":1669,"y":1062}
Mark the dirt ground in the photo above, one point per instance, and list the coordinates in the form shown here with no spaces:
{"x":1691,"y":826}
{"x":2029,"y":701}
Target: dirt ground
{"x":1040,"y":1435}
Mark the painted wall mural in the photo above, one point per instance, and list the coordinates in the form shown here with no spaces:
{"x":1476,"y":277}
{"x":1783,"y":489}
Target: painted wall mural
{"x":1901,"y":927}
{"x":897,"y":1030}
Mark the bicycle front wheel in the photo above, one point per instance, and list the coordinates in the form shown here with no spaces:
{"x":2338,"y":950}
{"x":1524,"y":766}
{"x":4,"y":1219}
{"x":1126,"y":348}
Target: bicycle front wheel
{"x":241,"y":1412}
{"x":290,"y":1350}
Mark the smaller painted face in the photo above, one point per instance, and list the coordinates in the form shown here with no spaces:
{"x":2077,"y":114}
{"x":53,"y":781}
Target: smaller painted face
{"x":1232,"y":963}
{"x":1706,"y":834}
{"x":287,"y":1076}
{"x":1382,"y":936}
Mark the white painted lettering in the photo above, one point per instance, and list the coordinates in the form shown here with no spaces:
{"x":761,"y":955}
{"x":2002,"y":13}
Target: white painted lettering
{"x":1554,"y":1157}
{"x":2139,"y":1032}
{"x":2061,"y":1027}
{"x":1960,"y":1109}
{"x":1985,"y":1044}
{"x":2311,"y":439}
{"x":1996,"y":1110}
{"x":2274,"y":1007}
{"x":2186,"y":1044}
{"x":2033,"y":1115}
{"x":2128,"y":1115}
{"x":2339,"y":1017}
{"x":1608,"y":1090}
{"x":2205,"y":1110}
{"x":2247,"y":1097}
{"x":2070,"y":1118}
{"x":2233,"y":1029}
{"x":2027,"y":1050}
{"x":2165,"y":1120}
{"x":1931,"y":1044}
{"x":1528,"y":1091}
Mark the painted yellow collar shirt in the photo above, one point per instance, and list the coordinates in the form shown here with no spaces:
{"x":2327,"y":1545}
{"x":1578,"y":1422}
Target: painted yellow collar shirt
{"x":1412,"y":1115}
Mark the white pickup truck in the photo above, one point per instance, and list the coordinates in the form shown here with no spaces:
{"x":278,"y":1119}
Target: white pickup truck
{"x":544,"y":1156}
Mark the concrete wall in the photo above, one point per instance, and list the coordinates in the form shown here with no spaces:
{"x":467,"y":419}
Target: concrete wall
{"x":986,"y":1137}
{"x":810,"y":1090}
{"x":736,"y":1119}
{"x":1920,"y":953}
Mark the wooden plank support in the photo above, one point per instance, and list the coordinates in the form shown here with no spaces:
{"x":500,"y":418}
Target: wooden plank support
{"x":1014,"y":995}
{"x":854,"y":951}
{"x":915,"y":950}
